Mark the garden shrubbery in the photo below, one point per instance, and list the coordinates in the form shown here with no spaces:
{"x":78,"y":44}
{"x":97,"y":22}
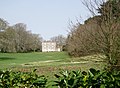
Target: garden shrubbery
{"x":9,"y":79}
{"x":91,"y":79}
{"x":65,"y":79}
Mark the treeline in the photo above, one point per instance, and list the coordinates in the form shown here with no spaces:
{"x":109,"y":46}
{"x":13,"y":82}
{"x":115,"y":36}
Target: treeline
{"x":60,"y":41}
{"x":99,"y":34}
{"x":17,"y":38}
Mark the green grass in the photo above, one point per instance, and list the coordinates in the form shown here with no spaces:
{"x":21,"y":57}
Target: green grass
{"x":15,"y":59}
{"x":46,"y":59}
{"x":48,"y":63}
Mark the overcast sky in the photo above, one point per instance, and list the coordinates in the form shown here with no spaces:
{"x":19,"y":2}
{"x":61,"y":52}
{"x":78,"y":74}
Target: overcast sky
{"x":45,"y":17}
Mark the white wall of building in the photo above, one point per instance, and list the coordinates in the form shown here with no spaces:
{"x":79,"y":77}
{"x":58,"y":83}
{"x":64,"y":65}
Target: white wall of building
{"x":49,"y":46}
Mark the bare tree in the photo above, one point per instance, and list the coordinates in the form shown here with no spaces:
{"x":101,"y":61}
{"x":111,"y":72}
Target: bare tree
{"x":100,"y":33}
{"x":107,"y":37}
{"x":25,"y":40}
{"x":60,"y":40}
{"x":16,"y":38}
{"x":3,"y":24}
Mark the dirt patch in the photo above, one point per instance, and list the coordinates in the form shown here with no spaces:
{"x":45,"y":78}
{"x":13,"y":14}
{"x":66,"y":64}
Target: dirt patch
{"x":37,"y":63}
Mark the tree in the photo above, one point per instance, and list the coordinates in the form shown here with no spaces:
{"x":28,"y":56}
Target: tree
{"x":8,"y":44}
{"x":25,"y":40}
{"x":20,"y":37}
{"x":60,"y":40}
{"x":80,"y":41}
{"x":16,"y":38}
{"x":3,"y":27}
{"x":3,"y":24}
{"x":109,"y":30}
{"x":99,"y":34}
{"x":110,"y":7}
{"x":36,"y":42}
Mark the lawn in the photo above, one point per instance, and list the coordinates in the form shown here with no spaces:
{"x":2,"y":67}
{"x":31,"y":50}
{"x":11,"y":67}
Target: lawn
{"x":15,"y":59}
{"x":48,"y":63}
{"x":44,"y":60}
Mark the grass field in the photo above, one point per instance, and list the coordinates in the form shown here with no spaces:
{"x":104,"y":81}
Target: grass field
{"x":47,"y":59}
{"x":48,"y":63}
{"x":16,"y":59}
{"x":43,"y":59}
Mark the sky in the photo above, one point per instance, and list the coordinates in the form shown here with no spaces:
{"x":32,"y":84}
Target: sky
{"x":48,"y":18}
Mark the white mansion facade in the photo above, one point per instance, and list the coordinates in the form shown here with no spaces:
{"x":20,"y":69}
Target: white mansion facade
{"x":49,"y":46}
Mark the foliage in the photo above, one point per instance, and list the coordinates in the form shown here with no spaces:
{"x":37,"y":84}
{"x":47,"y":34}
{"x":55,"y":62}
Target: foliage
{"x":9,"y":79}
{"x":112,"y":7}
{"x":16,"y":38}
{"x":99,"y":34}
{"x":91,"y":79}
{"x":65,"y":79}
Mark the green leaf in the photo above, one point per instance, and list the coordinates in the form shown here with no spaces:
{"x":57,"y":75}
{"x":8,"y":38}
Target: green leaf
{"x":102,"y":86}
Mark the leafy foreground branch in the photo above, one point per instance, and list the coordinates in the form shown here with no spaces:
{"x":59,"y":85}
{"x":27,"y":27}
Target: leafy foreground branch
{"x":91,"y":79}
{"x":9,"y":79}
{"x":65,"y":79}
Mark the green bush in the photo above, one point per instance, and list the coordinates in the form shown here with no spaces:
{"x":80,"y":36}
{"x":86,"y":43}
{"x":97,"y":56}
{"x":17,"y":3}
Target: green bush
{"x":65,"y":79}
{"x":9,"y":79}
{"x":91,"y":79}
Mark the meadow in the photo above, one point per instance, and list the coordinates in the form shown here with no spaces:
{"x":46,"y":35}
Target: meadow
{"x":8,"y":60}
{"x":48,"y":63}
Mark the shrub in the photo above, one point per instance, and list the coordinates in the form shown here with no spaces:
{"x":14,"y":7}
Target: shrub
{"x":91,"y":79}
{"x":65,"y":79}
{"x":9,"y":79}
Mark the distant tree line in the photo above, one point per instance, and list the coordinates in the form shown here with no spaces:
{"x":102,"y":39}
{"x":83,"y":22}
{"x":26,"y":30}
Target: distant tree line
{"x":99,"y":34}
{"x":60,"y":41}
{"x":17,"y":38}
